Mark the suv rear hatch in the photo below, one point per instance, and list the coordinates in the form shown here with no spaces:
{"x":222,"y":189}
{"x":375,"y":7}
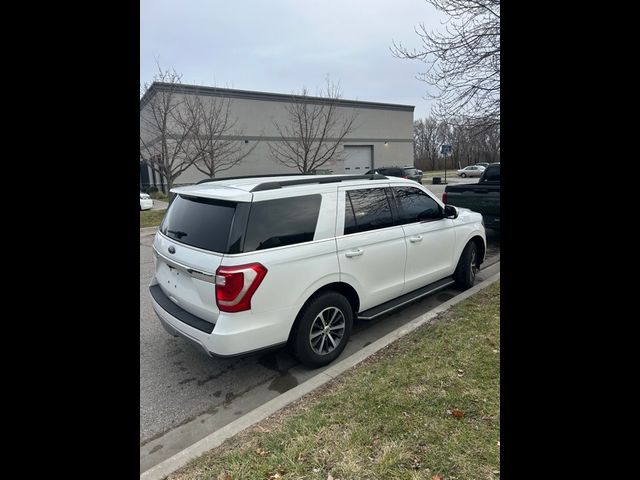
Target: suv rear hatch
{"x":194,"y":236}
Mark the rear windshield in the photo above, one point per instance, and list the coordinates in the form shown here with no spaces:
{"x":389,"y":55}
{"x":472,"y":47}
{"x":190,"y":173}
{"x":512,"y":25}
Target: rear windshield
{"x":200,"y":222}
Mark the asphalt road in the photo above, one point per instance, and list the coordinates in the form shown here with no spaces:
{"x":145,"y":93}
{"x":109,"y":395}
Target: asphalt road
{"x":185,"y":395}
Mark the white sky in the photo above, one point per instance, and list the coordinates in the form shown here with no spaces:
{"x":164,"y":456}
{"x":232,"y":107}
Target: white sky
{"x":282,"y":45}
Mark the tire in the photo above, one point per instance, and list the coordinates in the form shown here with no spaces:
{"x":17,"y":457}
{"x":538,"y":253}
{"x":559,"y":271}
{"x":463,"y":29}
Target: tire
{"x":465,"y":274}
{"x":463,"y":175}
{"x":326,"y":309}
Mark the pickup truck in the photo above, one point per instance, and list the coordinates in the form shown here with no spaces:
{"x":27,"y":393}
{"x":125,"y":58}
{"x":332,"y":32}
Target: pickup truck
{"x":482,"y":197}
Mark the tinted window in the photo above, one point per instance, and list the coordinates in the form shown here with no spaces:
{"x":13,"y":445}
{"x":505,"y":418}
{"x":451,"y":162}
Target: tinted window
{"x":199,"y":222}
{"x":491,"y":174}
{"x":394,"y":172}
{"x":415,"y":206}
{"x":411,"y":172}
{"x":366,"y":210}
{"x":284,"y":221}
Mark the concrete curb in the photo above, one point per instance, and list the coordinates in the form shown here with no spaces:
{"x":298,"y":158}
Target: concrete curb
{"x":216,"y":438}
{"x":148,"y":231}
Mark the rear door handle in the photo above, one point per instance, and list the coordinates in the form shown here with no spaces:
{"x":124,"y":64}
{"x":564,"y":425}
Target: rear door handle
{"x":417,"y":238}
{"x":354,"y":253}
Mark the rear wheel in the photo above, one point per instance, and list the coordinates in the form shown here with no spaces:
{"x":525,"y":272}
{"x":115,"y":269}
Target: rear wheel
{"x":463,"y":175}
{"x":323,"y":329}
{"x":465,"y":274}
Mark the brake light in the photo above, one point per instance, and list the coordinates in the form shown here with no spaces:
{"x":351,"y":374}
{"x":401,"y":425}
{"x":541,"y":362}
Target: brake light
{"x":236,"y":285}
{"x":405,"y":176}
{"x":444,"y":197}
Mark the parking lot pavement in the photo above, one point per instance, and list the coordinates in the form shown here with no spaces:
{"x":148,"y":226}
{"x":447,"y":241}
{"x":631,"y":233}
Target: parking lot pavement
{"x":185,"y":395}
{"x":438,"y":190}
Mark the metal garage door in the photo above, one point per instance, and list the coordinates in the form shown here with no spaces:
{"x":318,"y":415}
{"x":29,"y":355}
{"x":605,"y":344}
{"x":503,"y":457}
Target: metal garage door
{"x":358,"y":159}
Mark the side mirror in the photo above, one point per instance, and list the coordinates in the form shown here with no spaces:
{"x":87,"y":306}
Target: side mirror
{"x":450,"y":212}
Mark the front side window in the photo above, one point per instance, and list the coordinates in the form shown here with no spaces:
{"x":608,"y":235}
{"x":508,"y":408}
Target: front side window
{"x":283,"y":221}
{"x":367,"y":209}
{"x":416,"y":206}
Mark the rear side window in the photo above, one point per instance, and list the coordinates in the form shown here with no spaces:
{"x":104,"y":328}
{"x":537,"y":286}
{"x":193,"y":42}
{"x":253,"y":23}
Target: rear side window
{"x":492,"y":174}
{"x":410,"y":172}
{"x":200,"y":222}
{"x":416,"y":206}
{"x":366,"y":210}
{"x":394,"y":172}
{"x":283,"y":221}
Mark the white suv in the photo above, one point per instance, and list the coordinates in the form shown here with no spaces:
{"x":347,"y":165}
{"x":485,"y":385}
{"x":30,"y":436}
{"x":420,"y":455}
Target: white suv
{"x":244,"y":264}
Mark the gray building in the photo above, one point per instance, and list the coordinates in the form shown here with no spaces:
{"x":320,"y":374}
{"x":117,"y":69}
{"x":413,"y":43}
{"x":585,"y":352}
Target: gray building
{"x":382,"y":133}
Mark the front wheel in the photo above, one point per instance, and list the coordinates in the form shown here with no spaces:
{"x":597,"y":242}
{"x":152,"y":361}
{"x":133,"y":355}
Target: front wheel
{"x":323,"y":329}
{"x":465,"y":274}
{"x":463,"y":175}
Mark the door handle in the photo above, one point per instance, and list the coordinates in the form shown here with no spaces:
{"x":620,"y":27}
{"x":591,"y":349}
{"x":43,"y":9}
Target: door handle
{"x":354,"y":253}
{"x":417,"y":238}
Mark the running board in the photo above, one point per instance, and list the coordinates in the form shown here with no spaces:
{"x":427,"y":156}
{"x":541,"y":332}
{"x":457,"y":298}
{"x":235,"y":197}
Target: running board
{"x":404,"y":299}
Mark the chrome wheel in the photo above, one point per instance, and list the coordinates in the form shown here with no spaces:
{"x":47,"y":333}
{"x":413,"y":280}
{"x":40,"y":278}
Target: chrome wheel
{"x":327,"y":330}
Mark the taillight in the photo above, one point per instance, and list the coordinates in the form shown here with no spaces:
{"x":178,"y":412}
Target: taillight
{"x":444,"y":197}
{"x":405,"y":176}
{"x":236,"y":285}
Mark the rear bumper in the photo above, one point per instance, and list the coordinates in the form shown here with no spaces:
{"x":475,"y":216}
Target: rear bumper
{"x":233,"y":334}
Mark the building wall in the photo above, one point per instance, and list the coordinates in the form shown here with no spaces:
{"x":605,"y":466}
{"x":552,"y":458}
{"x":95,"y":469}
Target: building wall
{"x":373,"y":126}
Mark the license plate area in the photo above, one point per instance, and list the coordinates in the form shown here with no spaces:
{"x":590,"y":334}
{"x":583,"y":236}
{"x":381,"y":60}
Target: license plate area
{"x":174,"y":281}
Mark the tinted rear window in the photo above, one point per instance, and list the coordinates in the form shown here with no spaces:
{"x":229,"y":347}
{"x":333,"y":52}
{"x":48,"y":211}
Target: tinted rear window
{"x":200,"y":222}
{"x":280,"y":222}
{"x":394,"y":172}
{"x":366,"y":210}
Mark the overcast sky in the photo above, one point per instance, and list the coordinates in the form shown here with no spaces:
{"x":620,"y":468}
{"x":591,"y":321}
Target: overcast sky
{"x":282,"y":45}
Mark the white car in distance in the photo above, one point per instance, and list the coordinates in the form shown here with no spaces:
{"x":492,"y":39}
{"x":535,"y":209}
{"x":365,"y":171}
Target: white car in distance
{"x":471,"y":171}
{"x":146,"y":202}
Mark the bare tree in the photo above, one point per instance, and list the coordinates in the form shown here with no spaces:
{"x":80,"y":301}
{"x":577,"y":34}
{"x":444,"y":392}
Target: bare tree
{"x":165,"y":130}
{"x":425,"y":143}
{"x":313,"y":131}
{"x":463,"y":62}
{"x":215,"y":135}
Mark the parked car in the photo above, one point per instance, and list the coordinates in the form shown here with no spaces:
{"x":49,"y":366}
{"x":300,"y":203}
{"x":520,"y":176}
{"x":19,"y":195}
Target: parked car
{"x":249,"y":263}
{"x":470,"y":171}
{"x":482,"y":197}
{"x":146,"y":202}
{"x":411,"y":173}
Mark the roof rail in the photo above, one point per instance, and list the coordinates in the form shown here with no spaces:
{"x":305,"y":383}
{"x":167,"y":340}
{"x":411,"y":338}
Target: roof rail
{"x":304,"y":181}
{"x":207,"y":180}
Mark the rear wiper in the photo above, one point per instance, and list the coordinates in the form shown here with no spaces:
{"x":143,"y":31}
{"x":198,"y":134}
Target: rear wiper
{"x":177,"y":233}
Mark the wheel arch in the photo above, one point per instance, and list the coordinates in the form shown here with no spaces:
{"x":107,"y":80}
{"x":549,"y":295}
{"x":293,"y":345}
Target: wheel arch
{"x":343,"y":288}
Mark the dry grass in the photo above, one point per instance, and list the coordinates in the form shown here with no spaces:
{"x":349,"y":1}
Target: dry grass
{"x":427,"y":405}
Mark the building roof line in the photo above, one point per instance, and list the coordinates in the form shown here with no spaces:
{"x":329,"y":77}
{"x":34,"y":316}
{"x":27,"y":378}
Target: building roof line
{"x":264,"y":96}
